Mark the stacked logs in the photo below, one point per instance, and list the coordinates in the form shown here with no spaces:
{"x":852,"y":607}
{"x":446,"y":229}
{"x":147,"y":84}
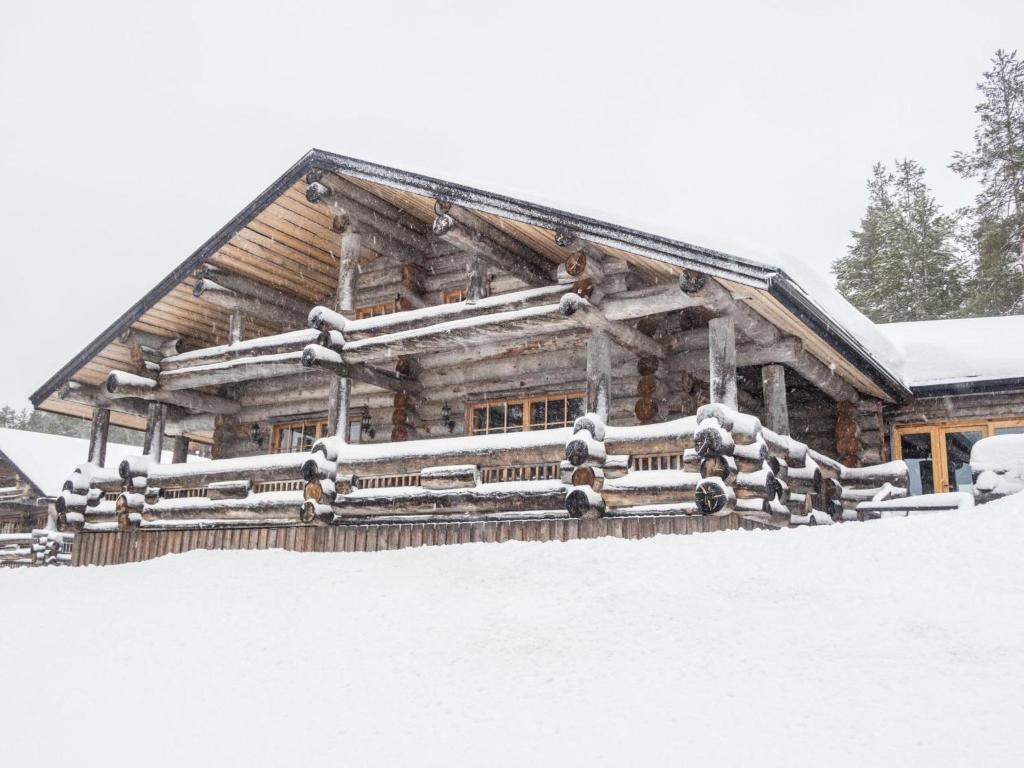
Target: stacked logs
{"x":733,"y":464}
{"x":646,"y":408}
{"x":848,"y":444}
{"x":648,"y":389}
{"x":401,"y":418}
{"x":583,"y":469}
{"x":878,"y":483}
{"x":40,"y":547}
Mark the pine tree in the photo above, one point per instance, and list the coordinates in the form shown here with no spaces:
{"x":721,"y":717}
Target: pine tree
{"x":903,"y":263}
{"x":997,"y":162}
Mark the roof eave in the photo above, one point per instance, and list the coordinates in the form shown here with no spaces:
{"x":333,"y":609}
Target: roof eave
{"x":972,"y":387}
{"x":788,"y":293}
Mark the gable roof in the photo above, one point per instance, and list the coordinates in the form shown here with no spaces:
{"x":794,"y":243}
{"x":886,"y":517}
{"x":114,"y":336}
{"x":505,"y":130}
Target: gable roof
{"x":811,"y":302}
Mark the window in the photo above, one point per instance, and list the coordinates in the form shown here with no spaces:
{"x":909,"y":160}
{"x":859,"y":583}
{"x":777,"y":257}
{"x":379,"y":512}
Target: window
{"x":526,"y":414}
{"x":375,"y":310}
{"x":297,"y":436}
{"x":455,"y":295}
{"x":939,"y":455}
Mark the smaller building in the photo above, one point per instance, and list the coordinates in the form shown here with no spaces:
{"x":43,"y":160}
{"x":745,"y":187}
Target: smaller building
{"x":967,"y":380}
{"x":33,"y":468}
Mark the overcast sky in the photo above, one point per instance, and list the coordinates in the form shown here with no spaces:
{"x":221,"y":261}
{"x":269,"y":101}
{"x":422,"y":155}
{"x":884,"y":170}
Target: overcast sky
{"x":129,"y":135}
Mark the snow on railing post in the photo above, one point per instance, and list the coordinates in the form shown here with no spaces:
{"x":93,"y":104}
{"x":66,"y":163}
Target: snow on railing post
{"x":585,"y":455}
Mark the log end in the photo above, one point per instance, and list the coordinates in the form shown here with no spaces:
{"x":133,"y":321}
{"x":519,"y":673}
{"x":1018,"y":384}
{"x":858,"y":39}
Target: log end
{"x":569,"y":304}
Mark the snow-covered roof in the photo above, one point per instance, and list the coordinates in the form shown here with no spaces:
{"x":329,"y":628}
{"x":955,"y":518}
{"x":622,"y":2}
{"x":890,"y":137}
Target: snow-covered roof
{"x":47,"y":460}
{"x":946,"y":352}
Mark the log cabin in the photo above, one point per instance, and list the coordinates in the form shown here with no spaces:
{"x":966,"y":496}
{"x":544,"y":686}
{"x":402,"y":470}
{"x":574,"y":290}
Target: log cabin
{"x":378,"y":358}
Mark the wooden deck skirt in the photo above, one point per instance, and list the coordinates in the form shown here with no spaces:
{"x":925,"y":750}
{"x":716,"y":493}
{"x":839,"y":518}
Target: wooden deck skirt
{"x":136,"y":545}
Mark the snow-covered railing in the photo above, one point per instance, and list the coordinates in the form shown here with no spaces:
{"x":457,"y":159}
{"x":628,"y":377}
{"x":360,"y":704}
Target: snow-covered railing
{"x":997,"y":467}
{"x":719,"y":462}
{"x":40,"y":547}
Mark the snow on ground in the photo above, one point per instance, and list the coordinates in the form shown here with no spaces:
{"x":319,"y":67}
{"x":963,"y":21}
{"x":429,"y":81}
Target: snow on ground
{"x":895,"y":642}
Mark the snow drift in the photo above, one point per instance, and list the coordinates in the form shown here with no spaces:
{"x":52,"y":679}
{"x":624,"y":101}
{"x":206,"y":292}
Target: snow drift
{"x":889,"y":643}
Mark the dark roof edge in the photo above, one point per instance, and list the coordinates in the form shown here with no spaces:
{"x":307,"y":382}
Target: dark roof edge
{"x":38,"y":491}
{"x":223,"y":235}
{"x":973,"y":387}
{"x":789,"y":294}
{"x":653,"y":246}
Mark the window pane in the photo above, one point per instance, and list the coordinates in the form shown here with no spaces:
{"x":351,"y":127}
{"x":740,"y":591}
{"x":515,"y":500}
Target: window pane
{"x":538,"y":414}
{"x":917,"y":453}
{"x":556,"y":412}
{"x":1010,"y":430}
{"x":575,"y":408}
{"x":496,"y":418}
{"x":515,"y":417}
{"x":479,"y":419}
{"x":958,"y":457}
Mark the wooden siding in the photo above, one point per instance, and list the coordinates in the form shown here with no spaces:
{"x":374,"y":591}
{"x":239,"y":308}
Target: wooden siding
{"x":115,"y":547}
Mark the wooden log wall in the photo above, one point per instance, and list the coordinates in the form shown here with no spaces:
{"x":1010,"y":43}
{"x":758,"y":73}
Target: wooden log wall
{"x":115,"y":547}
{"x":1000,"y":405}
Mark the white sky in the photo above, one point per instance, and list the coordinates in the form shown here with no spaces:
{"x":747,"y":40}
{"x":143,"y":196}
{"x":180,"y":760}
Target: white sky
{"x":129,"y":135}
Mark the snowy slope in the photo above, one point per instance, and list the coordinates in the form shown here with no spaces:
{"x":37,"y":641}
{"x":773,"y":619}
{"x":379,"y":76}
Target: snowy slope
{"x":888,"y":643}
{"x":950,"y":351}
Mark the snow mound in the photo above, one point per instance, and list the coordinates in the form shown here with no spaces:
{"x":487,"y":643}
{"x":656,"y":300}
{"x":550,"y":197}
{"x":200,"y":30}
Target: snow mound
{"x":887,"y":643}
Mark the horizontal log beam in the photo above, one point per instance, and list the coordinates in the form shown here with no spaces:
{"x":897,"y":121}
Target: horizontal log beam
{"x":120,"y":384}
{"x":586,"y":314}
{"x":252,"y":289}
{"x":476,"y":236}
{"x":269,"y":314}
{"x":471,"y":331}
{"x":323,"y":318}
{"x":317,"y":356}
{"x":293,"y":341}
{"x":134,"y":337}
{"x":232,"y":371}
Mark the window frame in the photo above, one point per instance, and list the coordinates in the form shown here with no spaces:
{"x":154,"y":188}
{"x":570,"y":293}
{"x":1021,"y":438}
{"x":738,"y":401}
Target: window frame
{"x":376,"y":310}
{"x":453,"y":296}
{"x":526,"y":401}
{"x":937,"y":431}
{"x":354,"y":418}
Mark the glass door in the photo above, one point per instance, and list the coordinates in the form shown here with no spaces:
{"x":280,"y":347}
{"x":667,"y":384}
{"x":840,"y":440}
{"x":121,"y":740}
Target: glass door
{"x":939,"y":455}
{"x":956,"y":443}
{"x":915,"y":448}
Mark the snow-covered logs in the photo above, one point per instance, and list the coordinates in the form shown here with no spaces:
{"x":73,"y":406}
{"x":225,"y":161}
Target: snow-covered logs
{"x":36,"y":548}
{"x":585,"y":452}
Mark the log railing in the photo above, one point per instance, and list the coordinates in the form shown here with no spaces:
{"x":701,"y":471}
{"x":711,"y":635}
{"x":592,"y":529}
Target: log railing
{"x":39,"y":547}
{"x":719,"y":462}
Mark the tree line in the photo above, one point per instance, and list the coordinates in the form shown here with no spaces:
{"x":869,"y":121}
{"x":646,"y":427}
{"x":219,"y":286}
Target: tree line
{"x":57,"y":424}
{"x":911,"y":261}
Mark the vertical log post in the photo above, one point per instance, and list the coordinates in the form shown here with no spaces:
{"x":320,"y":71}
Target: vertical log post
{"x":153,"y":442}
{"x":341,"y":387}
{"x":225,"y":436}
{"x":722,"y":360}
{"x":599,"y":375}
{"x":477,"y":281}
{"x":235,"y":326}
{"x":180,"y":455}
{"x":776,"y":409}
{"x":98,"y":436}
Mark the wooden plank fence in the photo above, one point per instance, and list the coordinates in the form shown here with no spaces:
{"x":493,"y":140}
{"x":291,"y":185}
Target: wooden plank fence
{"x":135,"y":545}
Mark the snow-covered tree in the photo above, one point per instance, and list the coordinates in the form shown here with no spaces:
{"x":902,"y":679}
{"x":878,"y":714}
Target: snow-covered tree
{"x":997,"y":163}
{"x":903,"y":263}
